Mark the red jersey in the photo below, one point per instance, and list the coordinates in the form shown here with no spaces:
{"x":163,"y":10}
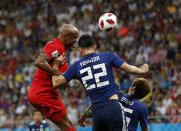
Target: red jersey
{"x":53,"y":49}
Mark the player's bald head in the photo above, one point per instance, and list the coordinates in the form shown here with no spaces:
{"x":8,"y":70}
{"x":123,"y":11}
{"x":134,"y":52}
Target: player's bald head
{"x":69,"y":30}
{"x":68,"y":35}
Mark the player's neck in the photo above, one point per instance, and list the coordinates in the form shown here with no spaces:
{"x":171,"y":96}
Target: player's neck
{"x":86,"y":52}
{"x":61,"y":40}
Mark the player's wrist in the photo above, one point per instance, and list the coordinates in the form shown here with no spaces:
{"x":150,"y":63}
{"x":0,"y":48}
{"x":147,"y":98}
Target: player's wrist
{"x":141,"y":71}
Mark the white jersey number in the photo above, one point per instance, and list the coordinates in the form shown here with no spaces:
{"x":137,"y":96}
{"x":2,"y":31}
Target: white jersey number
{"x":96,"y":76}
{"x":128,"y":111}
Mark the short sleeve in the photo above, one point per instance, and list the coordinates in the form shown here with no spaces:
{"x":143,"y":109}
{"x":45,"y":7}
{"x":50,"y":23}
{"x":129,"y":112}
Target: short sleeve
{"x":52,"y":50}
{"x":144,"y":117}
{"x":70,"y":73}
{"x":116,"y":61}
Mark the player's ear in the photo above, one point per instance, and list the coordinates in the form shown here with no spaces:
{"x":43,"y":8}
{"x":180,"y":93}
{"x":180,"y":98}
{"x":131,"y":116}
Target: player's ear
{"x":131,"y":90}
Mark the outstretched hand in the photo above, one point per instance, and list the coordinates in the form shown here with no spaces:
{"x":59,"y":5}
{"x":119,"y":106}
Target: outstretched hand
{"x":145,"y":68}
{"x":59,"y":61}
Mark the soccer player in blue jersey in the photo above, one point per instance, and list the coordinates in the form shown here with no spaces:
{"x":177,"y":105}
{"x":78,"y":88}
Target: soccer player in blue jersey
{"x":135,"y":111}
{"x":94,"y":71}
{"x":38,"y":124}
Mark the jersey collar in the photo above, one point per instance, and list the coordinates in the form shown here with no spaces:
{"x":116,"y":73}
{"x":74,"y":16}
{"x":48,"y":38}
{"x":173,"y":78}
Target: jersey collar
{"x":131,"y":97}
{"x":88,"y":55}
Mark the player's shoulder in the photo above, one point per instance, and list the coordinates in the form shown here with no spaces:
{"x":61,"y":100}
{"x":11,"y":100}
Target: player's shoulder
{"x":31,"y":124}
{"x":142,"y":107}
{"x":53,"y":42}
{"x":106,"y":53}
{"x":44,"y":121}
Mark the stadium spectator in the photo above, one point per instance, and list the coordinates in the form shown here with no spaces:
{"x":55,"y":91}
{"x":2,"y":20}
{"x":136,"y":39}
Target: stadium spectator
{"x":153,"y":26}
{"x":38,"y":122}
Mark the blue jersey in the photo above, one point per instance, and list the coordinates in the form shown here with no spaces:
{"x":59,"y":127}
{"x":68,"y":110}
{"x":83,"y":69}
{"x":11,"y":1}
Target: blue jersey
{"x":42,"y":127}
{"x":135,"y":112}
{"x":94,"y":71}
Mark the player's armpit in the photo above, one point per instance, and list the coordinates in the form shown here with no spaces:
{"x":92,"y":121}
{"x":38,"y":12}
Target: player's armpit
{"x":42,"y":63}
{"x":145,"y":128}
{"x":58,"y":81}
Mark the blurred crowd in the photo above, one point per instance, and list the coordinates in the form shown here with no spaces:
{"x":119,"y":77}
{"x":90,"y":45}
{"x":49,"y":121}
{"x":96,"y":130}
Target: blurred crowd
{"x":149,"y":32}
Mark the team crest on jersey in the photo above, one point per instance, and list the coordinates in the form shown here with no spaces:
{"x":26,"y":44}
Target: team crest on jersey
{"x":54,"y":54}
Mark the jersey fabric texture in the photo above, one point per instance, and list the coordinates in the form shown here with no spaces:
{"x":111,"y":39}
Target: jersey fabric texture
{"x":52,"y":49}
{"x":106,"y":116}
{"x":135,"y":112}
{"x":41,"y":94}
{"x":94,"y":71}
{"x":42,"y":127}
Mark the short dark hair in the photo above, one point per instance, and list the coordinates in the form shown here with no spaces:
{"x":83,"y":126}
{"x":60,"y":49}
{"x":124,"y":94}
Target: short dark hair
{"x":35,"y":110}
{"x":142,"y":87}
{"x":86,"y":41}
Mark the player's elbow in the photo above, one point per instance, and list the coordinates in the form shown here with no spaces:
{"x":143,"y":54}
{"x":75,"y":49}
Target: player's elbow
{"x":126,"y":67}
{"x":36,"y":63}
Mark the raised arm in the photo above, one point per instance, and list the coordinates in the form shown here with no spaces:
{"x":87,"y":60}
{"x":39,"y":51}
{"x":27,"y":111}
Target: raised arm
{"x":133,"y":69}
{"x":118,"y":62}
{"x":42,"y":63}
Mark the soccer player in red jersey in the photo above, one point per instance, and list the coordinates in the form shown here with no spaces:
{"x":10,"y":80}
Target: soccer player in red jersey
{"x":41,"y":94}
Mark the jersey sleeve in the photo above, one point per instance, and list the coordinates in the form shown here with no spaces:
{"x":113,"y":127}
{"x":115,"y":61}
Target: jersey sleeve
{"x":70,"y":73}
{"x":116,"y":61}
{"x":52,"y":50}
{"x":144,"y":117}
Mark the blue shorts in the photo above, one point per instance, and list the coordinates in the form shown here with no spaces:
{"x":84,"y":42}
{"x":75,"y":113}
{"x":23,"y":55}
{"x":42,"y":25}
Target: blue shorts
{"x":108,"y":116}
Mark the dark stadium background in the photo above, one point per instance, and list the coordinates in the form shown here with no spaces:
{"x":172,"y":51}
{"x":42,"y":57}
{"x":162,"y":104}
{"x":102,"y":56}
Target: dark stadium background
{"x":150,"y":32}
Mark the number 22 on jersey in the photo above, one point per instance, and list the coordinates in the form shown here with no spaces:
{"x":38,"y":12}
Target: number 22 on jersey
{"x":96,"y":76}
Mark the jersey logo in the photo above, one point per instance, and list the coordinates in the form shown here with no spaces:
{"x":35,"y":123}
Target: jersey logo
{"x":54,"y":54}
